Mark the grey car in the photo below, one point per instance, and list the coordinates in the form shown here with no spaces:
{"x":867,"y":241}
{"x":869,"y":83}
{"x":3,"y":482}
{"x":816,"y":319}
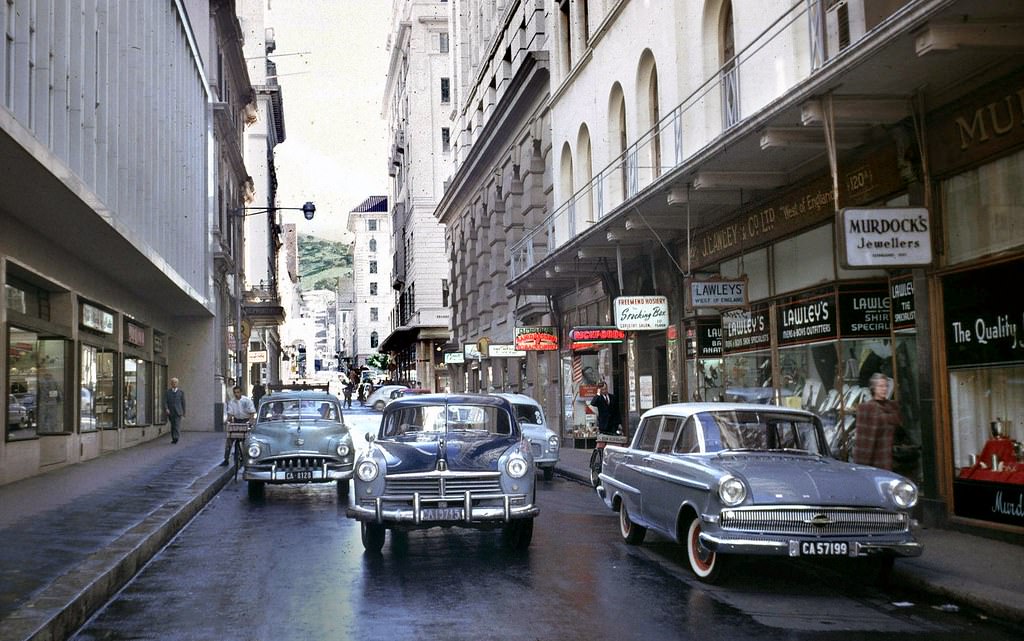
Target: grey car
{"x":728,"y":479}
{"x":298,"y":437}
{"x":544,"y":442}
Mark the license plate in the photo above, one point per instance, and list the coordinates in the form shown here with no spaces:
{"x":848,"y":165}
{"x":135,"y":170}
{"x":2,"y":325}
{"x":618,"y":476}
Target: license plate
{"x":442,"y":514}
{"x":301,"y":475}
{"x":824,"y":548}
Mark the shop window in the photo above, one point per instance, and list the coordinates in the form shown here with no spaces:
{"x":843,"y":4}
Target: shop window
{"x":96,"y":409}
{"x":25,"y":298}
{"x":37,"y":379}
{"x":137,"y":392}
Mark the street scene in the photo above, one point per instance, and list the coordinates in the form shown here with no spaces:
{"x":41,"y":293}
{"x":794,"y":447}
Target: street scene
{"x":511,"y":319}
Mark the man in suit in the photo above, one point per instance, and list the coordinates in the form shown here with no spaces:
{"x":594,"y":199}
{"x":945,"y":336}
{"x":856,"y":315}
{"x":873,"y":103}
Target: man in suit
{"x":174,"y":403}
{"x":608,"y":420}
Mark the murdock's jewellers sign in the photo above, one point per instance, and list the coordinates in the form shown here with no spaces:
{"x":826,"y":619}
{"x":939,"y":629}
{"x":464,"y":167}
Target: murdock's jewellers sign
{"x":885,"y":237}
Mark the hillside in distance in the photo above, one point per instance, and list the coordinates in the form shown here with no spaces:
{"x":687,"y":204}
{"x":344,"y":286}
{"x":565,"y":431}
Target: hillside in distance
{"x":322,"y":262}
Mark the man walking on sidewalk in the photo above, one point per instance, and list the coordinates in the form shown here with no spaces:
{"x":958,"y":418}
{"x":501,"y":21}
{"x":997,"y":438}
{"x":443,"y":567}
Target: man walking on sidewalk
{"x":174,"y":404}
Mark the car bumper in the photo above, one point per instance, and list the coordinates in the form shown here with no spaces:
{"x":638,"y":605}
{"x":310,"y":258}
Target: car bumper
{"x":549,"y":461}
{"x":472,"y":515}
{"x":783,"y":545}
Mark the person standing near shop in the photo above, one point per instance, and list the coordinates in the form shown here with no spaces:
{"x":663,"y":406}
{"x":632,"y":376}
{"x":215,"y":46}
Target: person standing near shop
{"x":878,"y":420}
{"x":607,"y":407}
{"x":174,"y":405}
{"x":258,"y":392}
{"x":239,"y":409}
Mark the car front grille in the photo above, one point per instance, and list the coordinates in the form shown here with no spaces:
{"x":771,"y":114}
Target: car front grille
{"x":311,"y":462}
{"x":437,"y":487}
{"x":814,"y":521}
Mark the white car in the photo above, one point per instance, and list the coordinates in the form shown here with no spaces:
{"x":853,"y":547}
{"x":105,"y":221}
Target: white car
{"x":544,"y":442}
{"x":380,"y":396}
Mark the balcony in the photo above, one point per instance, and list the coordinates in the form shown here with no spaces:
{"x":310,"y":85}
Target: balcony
{"x":262,"y":306}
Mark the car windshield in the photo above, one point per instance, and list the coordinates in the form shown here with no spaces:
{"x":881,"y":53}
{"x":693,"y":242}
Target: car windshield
{"x":528,"y":413}
{"x":296,"y":409}
{"x":446,"y":418}
{"x":758,"y":431}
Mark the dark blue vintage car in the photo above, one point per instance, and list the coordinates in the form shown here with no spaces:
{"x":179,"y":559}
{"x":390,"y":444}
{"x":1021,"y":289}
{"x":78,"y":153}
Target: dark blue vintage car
{"x":730,"y":479}
{"x":442,"y":461}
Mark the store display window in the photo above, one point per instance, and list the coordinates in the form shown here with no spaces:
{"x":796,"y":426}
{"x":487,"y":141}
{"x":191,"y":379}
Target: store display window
{"x":37,"y":379}
{"x":705,"y":378}
{"x":746,"y":355}
{"x":159,"y":385}
{"x":96,"y":411}
{"x":137,"y":392}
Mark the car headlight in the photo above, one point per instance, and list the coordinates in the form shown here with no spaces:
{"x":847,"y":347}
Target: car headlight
{"x":517,"y":467}
{"x":254,"y":450}
{"x":731,"y":491}
{"x":343,"y":449}
{"x":904,"y":493}
{"x":367,"y":470}
{"x":553,"y":442}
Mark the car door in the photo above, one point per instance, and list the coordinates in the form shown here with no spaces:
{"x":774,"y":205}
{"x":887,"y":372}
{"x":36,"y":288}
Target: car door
{"x":660,"y":470}
{"x":631,"y":470}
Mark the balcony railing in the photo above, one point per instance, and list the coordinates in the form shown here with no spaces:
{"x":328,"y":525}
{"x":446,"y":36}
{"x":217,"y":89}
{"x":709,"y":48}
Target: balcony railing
{"x":795,"y":36}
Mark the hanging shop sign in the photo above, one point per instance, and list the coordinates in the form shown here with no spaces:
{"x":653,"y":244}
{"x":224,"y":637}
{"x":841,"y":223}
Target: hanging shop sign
{"x":454,"y":358}
{"x":884,"y":237}
{"x":584,"y":338}
{"x":864,"y":311}
{"x":984,"y":325}
{"x":640,"y":313}
{"x":259,"y":356}
{"x":505,"y":351}
{"x":718,"y":293}
{"x":745,"y":330}
{"x":536,"y":338}
{"x":807,"y":320}
{"x":97,"y":319}
{"x":901,"y":295}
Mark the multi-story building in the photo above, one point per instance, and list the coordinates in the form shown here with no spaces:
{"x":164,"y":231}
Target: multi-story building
{"x":418,"y":103}
{"x":109,"y":228}
{"x":500,"y":188}
{"x":370,"y":223}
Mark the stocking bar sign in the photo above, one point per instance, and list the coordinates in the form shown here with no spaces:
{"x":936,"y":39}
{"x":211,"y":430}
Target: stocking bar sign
{"x":638,"y":313}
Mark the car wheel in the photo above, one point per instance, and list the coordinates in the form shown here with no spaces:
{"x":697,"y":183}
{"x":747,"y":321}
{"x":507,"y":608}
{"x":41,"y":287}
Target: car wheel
{"x":704,"y":563}
{"x":343,"y":487}
{"x":518,"y":534}
{"x":373,"y":537}
{"x":549,"y":473}
{"x":631,"y":532}
{"x":256,"y":489}
{"x":378,"y":405}
{"x":595,"y":468}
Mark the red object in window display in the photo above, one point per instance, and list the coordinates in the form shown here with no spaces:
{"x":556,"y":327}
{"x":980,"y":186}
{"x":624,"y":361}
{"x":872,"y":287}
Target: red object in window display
{"x":999,"y":462}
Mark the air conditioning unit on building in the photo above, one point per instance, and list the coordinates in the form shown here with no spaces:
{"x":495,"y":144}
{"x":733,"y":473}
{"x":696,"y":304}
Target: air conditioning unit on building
{"x":846,"y":21}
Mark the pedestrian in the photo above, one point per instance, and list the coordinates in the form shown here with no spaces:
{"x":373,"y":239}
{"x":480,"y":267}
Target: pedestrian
{"x":608,"y":421}
{"x":878,"y":419}
{"x":239,"y":409}
{"x":348,"y":394}
{"x":258,"y":392}
{"x":174,"y":405}
{"x":362,"y":392}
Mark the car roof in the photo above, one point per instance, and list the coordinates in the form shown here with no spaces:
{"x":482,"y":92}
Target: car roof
{"x":448,"y":399}
{"x":688,"y":409}
{"x":305,"y":395}
{"x":517,"y":398}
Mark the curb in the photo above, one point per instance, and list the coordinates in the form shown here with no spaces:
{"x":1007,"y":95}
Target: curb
{"x":67,"y":603}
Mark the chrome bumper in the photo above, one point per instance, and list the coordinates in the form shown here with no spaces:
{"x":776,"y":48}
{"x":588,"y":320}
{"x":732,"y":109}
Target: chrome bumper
{"x":413,"y":514}
{"x":790,"y":546}
{"x":316,"y":475}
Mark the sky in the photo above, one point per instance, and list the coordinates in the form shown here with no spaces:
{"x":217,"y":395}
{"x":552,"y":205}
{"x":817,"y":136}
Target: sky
{"x":332,"y":64}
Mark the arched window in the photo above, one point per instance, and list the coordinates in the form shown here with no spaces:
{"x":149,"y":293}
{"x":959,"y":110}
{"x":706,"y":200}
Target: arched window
{"x":584,"y":175}
{"x":374,"y":341}
{"x":648,"y":117}
{"x":568,"y":189}
{"x":617,"y":144}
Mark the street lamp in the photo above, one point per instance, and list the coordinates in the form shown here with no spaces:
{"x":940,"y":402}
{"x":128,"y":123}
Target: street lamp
{"x":308,"y":209}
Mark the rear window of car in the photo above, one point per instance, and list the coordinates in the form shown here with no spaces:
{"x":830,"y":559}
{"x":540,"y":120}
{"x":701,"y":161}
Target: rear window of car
{"x":446,"y":419}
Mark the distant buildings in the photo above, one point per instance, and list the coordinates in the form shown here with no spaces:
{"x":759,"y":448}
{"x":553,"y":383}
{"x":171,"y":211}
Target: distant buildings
{"x":370,"y":223}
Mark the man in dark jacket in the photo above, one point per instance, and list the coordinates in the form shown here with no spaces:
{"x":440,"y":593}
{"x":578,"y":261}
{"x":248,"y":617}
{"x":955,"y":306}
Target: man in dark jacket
{"x":607,"y":407}
{"x":174,"y":403}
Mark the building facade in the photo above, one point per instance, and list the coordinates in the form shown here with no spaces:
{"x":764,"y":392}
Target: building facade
{"x":418,"y":102}
{"x":109,"y":225}
{"x":370,"y":223}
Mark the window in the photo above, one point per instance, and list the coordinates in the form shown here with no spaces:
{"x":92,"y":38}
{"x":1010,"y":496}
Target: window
{"x":371,"y":225}
{"x":444,"y":292}
{"x":667,"y":435}
{"x":35,"y":401}
{"x":446,"y":139}
{"x":688,"y":443}
{"x":96,"y":410}
{"x":373,"y":244}
{"x":374,"y":314}
{"x":373,"y":267}
{"x":136,"y":392}
{"x":446,"y":95}
{"x":374,"y":340}
{"x":373,"y":289}
{"x":648,"y":433}
{"x":443,"y":42}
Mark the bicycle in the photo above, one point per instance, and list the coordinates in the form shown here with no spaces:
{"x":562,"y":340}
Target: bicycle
{"x":237,"y":431}
{"x":597,"y":457}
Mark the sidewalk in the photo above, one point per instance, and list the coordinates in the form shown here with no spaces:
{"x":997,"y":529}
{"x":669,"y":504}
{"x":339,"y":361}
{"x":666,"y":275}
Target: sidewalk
{"x":71,"y":538}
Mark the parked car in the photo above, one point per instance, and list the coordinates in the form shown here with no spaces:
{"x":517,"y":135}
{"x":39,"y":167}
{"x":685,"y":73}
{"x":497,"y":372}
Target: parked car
{"x":543,"y":441}
{"x":732,"y":479}
{"x":298,"y":437}
{"x":405,"y":393}
{"x":17,"y":414}
{"x":443,"y":460}
{"x":380,"y":396}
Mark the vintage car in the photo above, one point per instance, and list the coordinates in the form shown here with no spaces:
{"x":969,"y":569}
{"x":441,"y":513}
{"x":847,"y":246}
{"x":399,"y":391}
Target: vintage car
{"x":544,"y":442}
{"x":443,"y":460}
{"x":732,"y":479}
{"x":298,"y":437}
{"x":379,"y":397}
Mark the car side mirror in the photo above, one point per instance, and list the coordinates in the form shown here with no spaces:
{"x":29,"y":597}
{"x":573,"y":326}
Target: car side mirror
{"x":370,"y":437}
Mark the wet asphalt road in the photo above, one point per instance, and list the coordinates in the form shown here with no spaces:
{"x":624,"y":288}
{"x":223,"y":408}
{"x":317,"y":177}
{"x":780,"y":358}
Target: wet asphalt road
{"x":293,"y":567}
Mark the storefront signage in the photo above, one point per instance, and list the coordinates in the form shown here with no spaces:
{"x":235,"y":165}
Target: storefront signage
{"x":640,"y":313}
{"x":454,"y":358}
{"x":718,"y":293}
{"x":984,"y":323}
{"x":996,"y":502}
{"x":873,"y":175}
{"x":536,"y":339}
{"x":864,"y":311}
{"x":589,"y":337}
{"x":704,"y":340}
{"x":807,"y":320}
{"x":258,"y":356}
{"x":901,"y":293}
{"x":135,"y":334}
{"x":97,"y":319}
{"x":471,"y":352}
{"x":505,"y":351}
{"x":158,"y":343}
{"x":884,"y":237}
{"x":744,"y":331}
